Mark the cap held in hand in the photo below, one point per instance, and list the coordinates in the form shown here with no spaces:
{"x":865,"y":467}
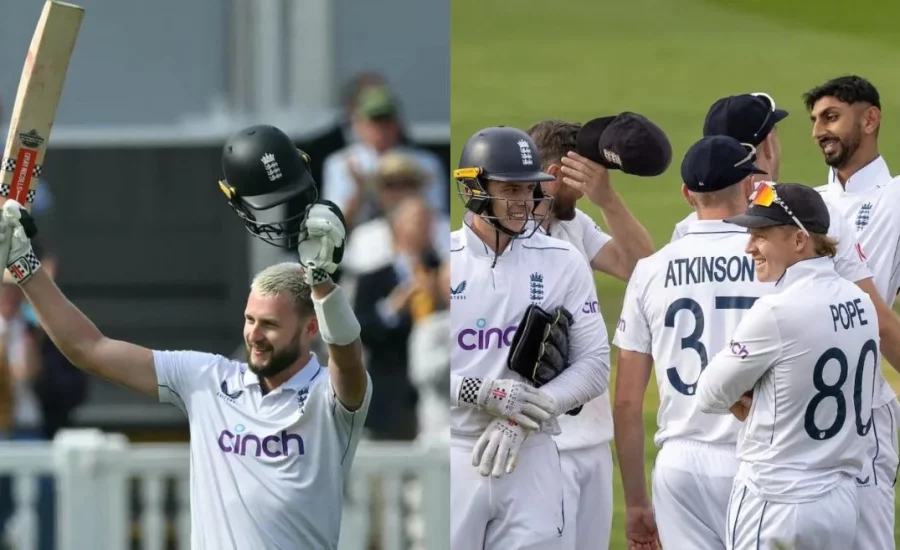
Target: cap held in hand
{"x":628,"y":142}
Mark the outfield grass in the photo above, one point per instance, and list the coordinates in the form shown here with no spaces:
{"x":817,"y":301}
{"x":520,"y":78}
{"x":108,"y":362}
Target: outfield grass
{"x":515,"y":63}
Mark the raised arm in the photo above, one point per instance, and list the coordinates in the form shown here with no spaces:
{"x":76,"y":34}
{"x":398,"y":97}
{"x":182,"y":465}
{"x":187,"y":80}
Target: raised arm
{"x":630,"y":241}
{"x":320,"y":250}
{"x":72,"y":332}
{"x":340,"y":331}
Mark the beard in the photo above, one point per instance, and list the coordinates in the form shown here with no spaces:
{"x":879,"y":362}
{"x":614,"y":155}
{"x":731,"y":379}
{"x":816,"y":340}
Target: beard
{"x":278,"y":362}
{"x":844,"y":151}
{"x":564,"y":211}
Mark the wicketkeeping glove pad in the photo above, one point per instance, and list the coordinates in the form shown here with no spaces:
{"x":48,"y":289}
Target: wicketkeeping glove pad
{"x":540,"y":348}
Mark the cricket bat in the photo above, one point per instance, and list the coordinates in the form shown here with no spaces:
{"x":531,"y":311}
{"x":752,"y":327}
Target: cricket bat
{"x":34,"y":111}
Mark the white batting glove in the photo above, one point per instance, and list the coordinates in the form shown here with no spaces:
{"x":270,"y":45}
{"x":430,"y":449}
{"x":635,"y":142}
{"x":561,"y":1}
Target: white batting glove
{"x":322,"y":238}
{"x":497,"y":450}
{"x":521,"y":403}
{"x":19,"y":258}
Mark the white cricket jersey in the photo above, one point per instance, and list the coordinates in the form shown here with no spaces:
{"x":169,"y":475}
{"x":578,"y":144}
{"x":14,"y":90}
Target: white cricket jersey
{"x":681,"y":306}
{"x":490,"y":300}
{"x":594,"y":424}
{"x":810,"y":354}
{"x":868,"y":207}
{"x":267,"y":471}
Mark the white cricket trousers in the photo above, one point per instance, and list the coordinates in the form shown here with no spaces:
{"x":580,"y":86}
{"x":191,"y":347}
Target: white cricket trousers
{"x":521,"y":511}
{"x":876,"y":481}
{"x":588,"y":497}
{"x":692,"y":483}
{"x":826,"y":524}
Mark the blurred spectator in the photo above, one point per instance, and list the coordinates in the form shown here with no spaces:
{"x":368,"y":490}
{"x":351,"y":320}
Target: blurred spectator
{"x":21,"y":417}
{"x":370,"y":245}
{"x":376,"y":122}
{"x":429,"y":362}
{"x":388,"y":302}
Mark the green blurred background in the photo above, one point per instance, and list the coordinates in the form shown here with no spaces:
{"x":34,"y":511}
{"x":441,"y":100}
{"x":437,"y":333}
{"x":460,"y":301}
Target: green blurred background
{"x":517,"y":62}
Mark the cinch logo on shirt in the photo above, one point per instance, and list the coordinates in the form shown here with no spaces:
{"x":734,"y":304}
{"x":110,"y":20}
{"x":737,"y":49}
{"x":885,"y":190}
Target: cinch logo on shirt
{"x":272,"y":446}
{"x":591,"y":306}
{"x":483,"y":337}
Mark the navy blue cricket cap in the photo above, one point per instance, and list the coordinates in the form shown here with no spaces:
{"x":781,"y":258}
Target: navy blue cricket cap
{"x":747,"y":118}
{"x":629,"y":142}
{"x":717,"y":162}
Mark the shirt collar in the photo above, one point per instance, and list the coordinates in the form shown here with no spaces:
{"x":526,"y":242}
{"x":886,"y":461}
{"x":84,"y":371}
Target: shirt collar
{"x":713,"y":226}
{"x":812,"y":267}
{"x":307,"y":374}
{"x":870,"y":176}
{"x":478,"y":248}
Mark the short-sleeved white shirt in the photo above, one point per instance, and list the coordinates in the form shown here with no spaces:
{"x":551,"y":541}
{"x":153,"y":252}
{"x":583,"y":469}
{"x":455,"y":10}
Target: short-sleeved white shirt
{"x":267,"y":471}
{"x":594,"y":424}
{"x":809,"y":352}
{"x":682,"y":306}
{"x":489,"y":297}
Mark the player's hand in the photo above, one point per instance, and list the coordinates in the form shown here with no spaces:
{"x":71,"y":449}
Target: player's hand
{"x":741,"y":409}
{"x":322,"y":236}
{"x":640,"y":528}
{"x":587,"y":176}
{"x":17,"y":228}
{"x":521,"y":403}
{"x":497,"y":450}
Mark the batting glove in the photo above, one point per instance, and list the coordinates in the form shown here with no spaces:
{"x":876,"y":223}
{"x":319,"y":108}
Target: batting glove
{"x":16,"y":230}
{"x":497,"y":450}
{"x":521,"y":403}
{"x":322,"y":236}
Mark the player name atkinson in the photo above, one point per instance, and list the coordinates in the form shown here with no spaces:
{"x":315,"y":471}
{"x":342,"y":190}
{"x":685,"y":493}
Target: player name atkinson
{"x":709,"y":269}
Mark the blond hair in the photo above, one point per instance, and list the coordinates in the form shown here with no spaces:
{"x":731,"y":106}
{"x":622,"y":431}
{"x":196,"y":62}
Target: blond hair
{"x":824,"y":245}
{"x":285,"y":278}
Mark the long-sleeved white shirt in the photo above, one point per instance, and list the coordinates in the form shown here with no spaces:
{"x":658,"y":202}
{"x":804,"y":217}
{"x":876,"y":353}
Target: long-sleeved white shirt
{"x":810,"y":355}
{"x":594,"y":424}
{"x":488,"y":301}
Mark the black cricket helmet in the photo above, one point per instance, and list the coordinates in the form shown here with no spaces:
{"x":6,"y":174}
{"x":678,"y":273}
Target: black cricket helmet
{"x":503,"y":154}
{"x":264,"y":169}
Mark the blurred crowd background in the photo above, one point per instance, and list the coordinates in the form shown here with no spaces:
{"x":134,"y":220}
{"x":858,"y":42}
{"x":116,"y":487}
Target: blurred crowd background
{"x":137,"y":234}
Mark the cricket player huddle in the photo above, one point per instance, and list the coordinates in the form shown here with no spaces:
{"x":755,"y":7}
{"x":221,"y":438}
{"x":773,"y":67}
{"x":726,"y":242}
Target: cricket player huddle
{"x":765,"y":319}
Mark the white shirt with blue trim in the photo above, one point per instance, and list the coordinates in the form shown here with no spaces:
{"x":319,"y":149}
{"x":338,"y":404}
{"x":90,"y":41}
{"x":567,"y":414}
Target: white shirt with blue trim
{"x":267,"y":471}
{"x":594,"y":424}
{"x":488,"y":302}
{"x":810,"y":353}
{"x":681,"y":306}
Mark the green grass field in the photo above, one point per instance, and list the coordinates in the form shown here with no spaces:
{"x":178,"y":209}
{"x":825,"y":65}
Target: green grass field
{"x":515,"y":63}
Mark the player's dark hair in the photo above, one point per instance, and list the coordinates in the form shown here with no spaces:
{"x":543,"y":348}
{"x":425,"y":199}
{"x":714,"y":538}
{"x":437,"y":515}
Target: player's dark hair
{"x":554,"y":139}
{"x":846,"y":89}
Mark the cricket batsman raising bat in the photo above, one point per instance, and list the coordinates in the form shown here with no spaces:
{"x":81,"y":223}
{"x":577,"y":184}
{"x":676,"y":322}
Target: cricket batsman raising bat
{"x":39,"y":91}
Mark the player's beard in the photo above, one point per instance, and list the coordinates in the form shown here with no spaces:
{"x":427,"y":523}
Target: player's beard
{"x":279,"y":360}
{"x":564,"y":210}
{"x":845,"y":150}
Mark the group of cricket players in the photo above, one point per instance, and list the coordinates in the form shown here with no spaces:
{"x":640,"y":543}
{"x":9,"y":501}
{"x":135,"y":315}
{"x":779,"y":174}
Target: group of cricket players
{"x":765,"y":320}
